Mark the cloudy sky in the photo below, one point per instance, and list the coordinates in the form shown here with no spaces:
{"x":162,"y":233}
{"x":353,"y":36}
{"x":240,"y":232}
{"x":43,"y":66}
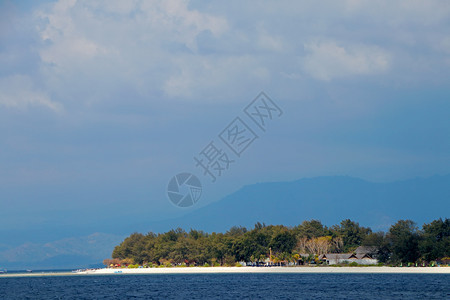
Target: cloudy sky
{"x":102,"y":102}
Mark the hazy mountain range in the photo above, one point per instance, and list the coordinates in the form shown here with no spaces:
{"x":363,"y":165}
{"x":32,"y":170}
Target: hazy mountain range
{"x":66,"y":253}
{"x":329,"y":199}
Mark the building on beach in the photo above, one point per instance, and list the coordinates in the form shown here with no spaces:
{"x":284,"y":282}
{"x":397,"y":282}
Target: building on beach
{"x":363,"y":256}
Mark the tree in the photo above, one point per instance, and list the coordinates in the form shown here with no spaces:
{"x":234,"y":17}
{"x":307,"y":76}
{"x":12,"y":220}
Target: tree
{"x":283,"y":242}
{"x":381,"y":244}
{"x":320,"y":245}
{"x":218,"y":247}
{"x":404,"y":241}
{"x":301,"y":245}
{"x":295,"y":257}
{"x":436,"y":240}
{"x":351,"y":233}
{"x":337,"y":244}
{"x":131,"y":247}
{"x":236,"y":231}
{"x":311,"y":229}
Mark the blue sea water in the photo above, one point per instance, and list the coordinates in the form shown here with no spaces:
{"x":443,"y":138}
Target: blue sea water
{"x":229,"y":286}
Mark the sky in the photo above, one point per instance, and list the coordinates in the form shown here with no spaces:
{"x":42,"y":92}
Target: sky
{"x":103,"y":102}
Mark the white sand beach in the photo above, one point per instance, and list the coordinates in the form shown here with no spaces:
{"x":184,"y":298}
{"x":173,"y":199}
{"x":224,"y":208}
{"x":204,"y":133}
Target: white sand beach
{"x":225,"y":270}
{"x":208,"y":270}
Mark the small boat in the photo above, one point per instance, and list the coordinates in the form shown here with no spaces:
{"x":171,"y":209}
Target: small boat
{"x":29,"y":271}
{"x":3,"y":271}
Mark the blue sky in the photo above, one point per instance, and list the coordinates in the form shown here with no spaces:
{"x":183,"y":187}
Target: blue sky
{"x":102,"y":102}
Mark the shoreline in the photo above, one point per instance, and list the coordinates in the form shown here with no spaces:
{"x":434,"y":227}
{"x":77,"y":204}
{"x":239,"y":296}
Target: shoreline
{"x":244,"y":270}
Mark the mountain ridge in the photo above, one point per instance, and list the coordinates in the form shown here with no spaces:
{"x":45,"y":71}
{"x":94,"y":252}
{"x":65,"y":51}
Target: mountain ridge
{"x":363,"y":201}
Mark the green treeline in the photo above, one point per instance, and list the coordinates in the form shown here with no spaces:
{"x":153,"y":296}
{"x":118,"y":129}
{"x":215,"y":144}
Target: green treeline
{"x":403,"y":243}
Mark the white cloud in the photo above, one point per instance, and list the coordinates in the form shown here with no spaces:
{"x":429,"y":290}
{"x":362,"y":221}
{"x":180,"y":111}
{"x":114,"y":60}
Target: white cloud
{"x":270,"y":42}
{"x":412,"y":12}
{"x":80,"y":29}
{"x":18,"y":91}
{"x":92,"y":49}
{"x":198,"y":75}
{"x":327,"y":60}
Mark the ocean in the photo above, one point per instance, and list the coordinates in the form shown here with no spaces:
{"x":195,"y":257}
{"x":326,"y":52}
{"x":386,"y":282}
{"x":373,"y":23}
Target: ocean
{"x":229,"y":286}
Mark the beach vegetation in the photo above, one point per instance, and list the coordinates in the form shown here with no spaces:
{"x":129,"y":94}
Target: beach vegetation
{"x":281,"y":245}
